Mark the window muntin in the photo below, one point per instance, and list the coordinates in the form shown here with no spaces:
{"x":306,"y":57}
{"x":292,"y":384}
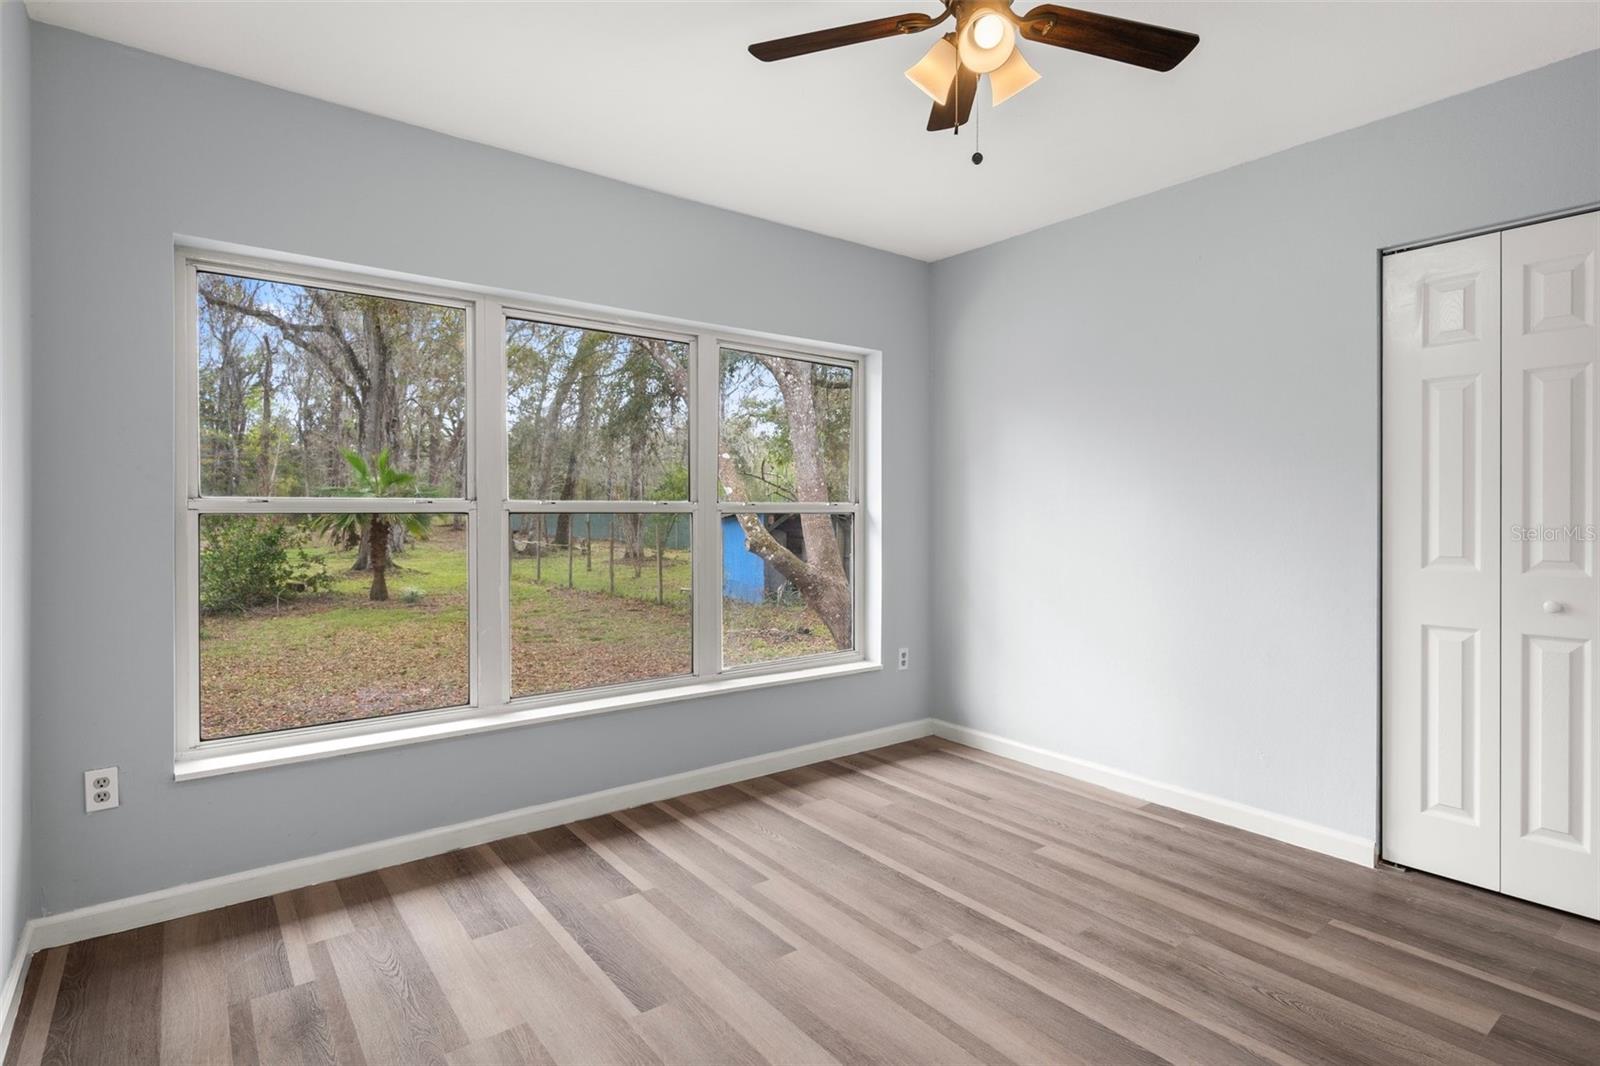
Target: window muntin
{"x":685,"y":391}
{"x":599,"y":599}
{"x":785,"y":428}
{"x":291,"y":636}
{"x":293,"y":376}
{"x":593,"y":414}
{"x":787,"y":586}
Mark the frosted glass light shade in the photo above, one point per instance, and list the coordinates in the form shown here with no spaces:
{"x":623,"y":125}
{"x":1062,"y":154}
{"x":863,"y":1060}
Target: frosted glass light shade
{"x":1010,"y":78}
{"x":935,"y":72}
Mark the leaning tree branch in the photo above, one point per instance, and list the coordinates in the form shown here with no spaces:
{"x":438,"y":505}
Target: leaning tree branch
{"x":300,"y":336}
{"x":757,"y":536}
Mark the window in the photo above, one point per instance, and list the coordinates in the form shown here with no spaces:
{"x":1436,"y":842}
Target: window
{"x":407,"y":508}
{"x":311,"y":402}
{"x":785,"y":437}
{"x":599,"y":596}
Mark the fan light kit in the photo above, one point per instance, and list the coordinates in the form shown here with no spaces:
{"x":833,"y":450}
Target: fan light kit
{"x":985,"y":42}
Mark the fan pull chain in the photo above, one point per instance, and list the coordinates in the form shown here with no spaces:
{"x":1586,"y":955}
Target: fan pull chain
{"x":977,"y":130}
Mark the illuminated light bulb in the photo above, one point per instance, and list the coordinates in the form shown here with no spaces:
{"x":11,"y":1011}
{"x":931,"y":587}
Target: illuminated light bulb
{"x":935,"y":72}
{"x":986,"y":41}
{"x":1010,"y":78}
{"x":988,"y":31}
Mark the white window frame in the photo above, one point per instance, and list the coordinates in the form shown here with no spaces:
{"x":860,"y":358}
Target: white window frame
{"x":488,"y":507}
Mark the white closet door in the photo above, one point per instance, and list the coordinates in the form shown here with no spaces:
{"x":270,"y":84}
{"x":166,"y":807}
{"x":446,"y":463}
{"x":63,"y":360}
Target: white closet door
{"x":1549,"y":742}
{"x":1441,"y":559}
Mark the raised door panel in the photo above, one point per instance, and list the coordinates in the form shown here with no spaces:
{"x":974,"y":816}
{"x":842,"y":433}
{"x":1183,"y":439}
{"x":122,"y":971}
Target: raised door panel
{"x":1452,"y":421}
{"x":1441,"y":680}
{"x":1452,"y":723}
{"x":1549,"y":746}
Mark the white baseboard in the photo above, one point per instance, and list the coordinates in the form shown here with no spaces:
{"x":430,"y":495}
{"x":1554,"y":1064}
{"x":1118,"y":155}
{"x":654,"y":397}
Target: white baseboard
{"x":1339,"y":844}
{"x":167,"y":903}
{"x":11,"y":989}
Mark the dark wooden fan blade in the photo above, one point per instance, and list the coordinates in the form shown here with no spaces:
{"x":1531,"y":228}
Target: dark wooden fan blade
{"x":839,"y":36}
{"x":1126,"y":41}
{"x":958,"y":105}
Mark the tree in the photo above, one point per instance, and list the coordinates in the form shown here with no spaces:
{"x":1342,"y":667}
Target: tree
{"x":590,"y":355}
{"x":224,"y":373}
{"x":820,"y":576}
{"x":375,"y":479}
{"x":291,"y":376}
{"x":819,"y":573}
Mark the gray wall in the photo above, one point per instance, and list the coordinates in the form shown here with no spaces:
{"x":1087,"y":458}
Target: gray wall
{"x":16,"y":896}
{"x":130,"y":150}
{"x":1171,"y":408}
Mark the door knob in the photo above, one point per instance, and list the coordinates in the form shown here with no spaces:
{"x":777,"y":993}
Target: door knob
{"x":1553,"y":607}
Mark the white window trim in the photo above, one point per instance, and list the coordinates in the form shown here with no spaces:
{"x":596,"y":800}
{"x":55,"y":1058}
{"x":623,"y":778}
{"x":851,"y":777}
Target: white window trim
{"x":488,"y":506}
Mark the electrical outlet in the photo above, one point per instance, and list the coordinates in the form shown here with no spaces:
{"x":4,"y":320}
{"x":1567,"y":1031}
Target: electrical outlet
{"x":905,"y":658}
{"x":100,"y":790}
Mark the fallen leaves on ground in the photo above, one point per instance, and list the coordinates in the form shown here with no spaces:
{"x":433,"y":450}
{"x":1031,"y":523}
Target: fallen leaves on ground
{"x":342,"y":658}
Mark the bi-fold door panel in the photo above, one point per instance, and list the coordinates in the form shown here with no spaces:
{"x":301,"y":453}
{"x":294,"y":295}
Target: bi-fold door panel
{"x":1549,"y":621}
{"x":1441,"y":560}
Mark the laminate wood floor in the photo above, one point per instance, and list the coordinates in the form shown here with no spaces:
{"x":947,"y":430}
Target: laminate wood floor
{"x":925,"y":903}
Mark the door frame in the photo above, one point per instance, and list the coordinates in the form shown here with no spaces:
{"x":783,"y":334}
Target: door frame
{"x":1378,"y":258}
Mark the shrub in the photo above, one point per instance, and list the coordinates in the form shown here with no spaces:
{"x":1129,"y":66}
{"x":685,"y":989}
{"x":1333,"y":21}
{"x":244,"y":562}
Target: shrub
{"x":247,"y":562}
{"x":411,"y":595}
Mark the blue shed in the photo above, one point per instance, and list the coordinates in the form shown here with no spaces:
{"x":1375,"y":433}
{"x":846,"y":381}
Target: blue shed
{"x":744,"y":573}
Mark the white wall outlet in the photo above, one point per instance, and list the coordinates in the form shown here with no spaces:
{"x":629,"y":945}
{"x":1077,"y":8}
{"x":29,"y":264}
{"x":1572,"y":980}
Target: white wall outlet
{"x":905,"y":658}
{"x":100,"y":790}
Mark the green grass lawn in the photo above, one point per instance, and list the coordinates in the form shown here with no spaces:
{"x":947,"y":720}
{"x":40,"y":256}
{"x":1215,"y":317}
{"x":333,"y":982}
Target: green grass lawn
{"x":339,"y":656}
{"x":578,"y":635}
{"x":763,"y":632}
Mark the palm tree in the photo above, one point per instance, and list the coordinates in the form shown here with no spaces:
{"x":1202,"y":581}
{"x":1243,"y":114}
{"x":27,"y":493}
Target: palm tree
{"x":376,"y":478}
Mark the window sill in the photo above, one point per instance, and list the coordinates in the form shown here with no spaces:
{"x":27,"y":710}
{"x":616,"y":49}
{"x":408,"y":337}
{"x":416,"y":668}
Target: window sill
{"x":222,"y":759}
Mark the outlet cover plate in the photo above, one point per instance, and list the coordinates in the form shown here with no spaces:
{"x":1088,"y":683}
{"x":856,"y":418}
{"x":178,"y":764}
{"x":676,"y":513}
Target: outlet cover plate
{"x":100,"y":791}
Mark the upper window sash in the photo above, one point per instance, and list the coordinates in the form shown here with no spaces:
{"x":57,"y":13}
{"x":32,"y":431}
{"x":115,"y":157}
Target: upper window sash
{"x":597,"y":413}
{"x":205,"y":498}
{"x":753,"y":379}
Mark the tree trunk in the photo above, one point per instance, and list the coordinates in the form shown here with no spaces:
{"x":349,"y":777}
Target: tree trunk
{"x":810,"y":480}
{"x":634,"y":552}
{"x":544,"y":468}
{"x":266,"y":460}
{"x":580,"y":439}
{"x":379,"y":539}
{"x":234,"y":398}
{"x":379,"y":416}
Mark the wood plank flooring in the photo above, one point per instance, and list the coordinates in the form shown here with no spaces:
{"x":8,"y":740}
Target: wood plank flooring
{"x":925,"y":903}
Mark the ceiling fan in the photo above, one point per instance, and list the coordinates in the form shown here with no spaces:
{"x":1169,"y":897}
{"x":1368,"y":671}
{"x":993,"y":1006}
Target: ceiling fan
{"x":984,"y":41}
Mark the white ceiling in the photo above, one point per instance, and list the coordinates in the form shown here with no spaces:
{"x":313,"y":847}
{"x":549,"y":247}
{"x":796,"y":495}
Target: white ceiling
{"x":662,"y":94}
